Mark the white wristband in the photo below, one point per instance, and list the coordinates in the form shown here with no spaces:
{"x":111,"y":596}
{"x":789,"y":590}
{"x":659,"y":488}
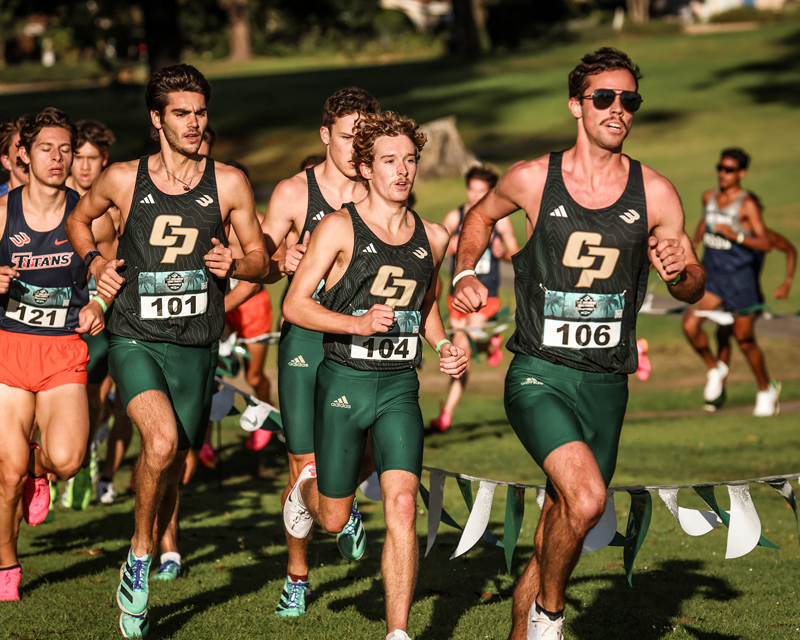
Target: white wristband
{"x":463,"y":274}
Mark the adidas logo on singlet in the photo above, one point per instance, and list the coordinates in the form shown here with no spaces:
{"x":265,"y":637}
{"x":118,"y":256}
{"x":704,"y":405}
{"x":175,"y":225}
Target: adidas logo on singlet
{"x":370,"y":249}
{"x":319,"y":216}
{"x":341,"y":402}
{"x":298,"y":362}
{"x":531,"y":381}
{"x":560,"y":212}
{"x":148,"y":199}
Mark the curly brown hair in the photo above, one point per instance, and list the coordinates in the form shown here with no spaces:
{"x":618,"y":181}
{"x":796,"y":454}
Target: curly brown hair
{"x":347,"y":101}
{"x":8,"y":130}
{"x":32,"y":126}
{"x":178,"y":77}
{"x":96,"y":134}
{"x":604,"y":59}
{"x":377,"y":125}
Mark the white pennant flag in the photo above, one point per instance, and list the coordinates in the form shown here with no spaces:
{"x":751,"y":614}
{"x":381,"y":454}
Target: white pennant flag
{"x":255,"y":415}
{"x":604,"y":531}
{"x":371,"y":488}
{"x":692,"y":521}
{"x":540,"y":493}
{"x":221,"y":404}
{"x":744,"y":530}
{"x":478,"y":519}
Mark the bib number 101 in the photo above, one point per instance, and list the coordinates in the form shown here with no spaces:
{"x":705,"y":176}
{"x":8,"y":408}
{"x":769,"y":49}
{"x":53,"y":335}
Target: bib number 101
{"x":162,"y":307}
{"x":581,"y":335}
{"x":378,"y":348}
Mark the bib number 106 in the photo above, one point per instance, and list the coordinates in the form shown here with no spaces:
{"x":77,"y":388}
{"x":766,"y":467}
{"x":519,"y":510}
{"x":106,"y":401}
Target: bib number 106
{"x":581,"y":335}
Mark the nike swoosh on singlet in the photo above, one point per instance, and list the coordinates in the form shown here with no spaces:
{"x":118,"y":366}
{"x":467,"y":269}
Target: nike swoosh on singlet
{"x":60,"y":241}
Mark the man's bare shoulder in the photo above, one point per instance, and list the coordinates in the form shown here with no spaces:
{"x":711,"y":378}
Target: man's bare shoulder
{"x":3,"y":213}
{"x":122,"y":172}
{"x":333,"y":224}
{"x":229,"y":175}
{"x":656,"y":185}
{"x":437,"y":233}
{"x":291,"y":191}
{"x":526,"y":176}
{"x":707,"y":195}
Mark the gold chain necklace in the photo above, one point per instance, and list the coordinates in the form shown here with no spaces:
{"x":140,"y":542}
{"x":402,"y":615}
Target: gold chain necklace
{"x":186,"y":185}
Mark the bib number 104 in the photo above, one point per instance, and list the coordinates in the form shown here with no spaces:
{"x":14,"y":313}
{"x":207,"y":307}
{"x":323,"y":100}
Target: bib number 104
{"x":379,"y":348}
{"x":581,"y":335}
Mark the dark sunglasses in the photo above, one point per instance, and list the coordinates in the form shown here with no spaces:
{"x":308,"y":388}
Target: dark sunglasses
{"x":722,"y":167}
{"x":604,"y":98}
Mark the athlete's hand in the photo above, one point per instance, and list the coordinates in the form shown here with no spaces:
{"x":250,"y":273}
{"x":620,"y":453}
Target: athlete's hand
{"x":219,"y":260}
{"x":725,"y":230}
{"x":90,"y":319}
{"x":470,"y":295}
{"x":109,"y":282}
{"x":781,"y":293}
{"x":7,"y":274}
{"x":294,"y":254}
{"x":497,"y":247}
{"x":667,"y":256}
{"x":452,"y":360}
{"x":377,"y":320}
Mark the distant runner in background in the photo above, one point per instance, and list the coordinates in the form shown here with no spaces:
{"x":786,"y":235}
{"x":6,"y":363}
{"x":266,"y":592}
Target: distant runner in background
{"x":735,"y":239}
{"x":9,"y":137}
{"x":480,"y":181}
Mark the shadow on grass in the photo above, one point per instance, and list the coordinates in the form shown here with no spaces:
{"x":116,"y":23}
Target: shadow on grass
{"x":773,"y":86}
{"x":652,"y":607}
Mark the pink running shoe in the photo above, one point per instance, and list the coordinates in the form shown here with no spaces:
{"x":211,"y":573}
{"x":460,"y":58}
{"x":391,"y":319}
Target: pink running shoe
{"x":442,"y":423}
{"x":9,"y":584}
{"x":495,"y":351}
{"x":643,"y":372}
{"x":35,"y":497}
{"x":207,"y":456}
{"x":258,"y":440}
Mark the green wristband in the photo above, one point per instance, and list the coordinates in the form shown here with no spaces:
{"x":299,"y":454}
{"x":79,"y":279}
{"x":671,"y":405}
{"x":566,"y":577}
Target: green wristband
{"x":440,"y":343}
{"x":101,"y":302}
{"x":675,"y":281}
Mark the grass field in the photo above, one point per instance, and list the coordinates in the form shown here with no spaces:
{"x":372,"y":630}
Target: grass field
{"x":701,"y":94}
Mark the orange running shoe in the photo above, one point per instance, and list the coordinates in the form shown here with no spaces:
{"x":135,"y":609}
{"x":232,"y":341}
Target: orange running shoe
{"x":9,"y":584}
{"x":495,"y":351}
{"x":207,"y":456}
{"x":258,"y":440}
{"x":643,"y":372}
{"x":442,"y":423}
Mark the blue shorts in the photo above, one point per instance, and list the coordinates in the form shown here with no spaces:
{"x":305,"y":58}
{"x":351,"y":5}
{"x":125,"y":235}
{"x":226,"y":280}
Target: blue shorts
{"x":740,"y":290}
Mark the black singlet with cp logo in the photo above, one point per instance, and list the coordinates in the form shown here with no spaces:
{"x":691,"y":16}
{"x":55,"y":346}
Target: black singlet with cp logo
{"x":379,"y":273}
{"x":169,"y":295}
{"x":582,"y":277}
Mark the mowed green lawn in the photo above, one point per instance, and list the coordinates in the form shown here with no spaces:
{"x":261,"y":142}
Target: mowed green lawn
{"x":701,"y":94}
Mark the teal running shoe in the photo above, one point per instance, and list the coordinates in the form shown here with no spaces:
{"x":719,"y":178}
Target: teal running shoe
{"x":352,"y":540}
{"x":293,"y":599}
{"x":133,"y":589}
{"x":134,"y":626}
{"x":81,"y":489}
{"x":66,"y":497}
{"x":168,"y":571}
{"x":94,"y":462}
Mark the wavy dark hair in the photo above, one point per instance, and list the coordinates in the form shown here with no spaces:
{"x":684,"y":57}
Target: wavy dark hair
{"x":347,"y":101}
{"x":377,"y":125}
{"x":178,"y":77}
{"x":32,"y":126}
{"x":604,"y":59}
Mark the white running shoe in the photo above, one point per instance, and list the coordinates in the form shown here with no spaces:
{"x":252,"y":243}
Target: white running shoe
{"x":397,"y":634}
{"x":541,"y":627}
{"x":296,"y":518}
{"x":105,"y":492}
{"x":714,"y":380}
{"x":767,"y":401}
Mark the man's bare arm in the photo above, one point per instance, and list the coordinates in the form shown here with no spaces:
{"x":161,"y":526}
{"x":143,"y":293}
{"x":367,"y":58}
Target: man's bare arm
{"x":669,"y":247}
{"x":781,"y":243}
{"x":282,"y":211}
{"x":505,"y":229}
{"x":253,"y":266}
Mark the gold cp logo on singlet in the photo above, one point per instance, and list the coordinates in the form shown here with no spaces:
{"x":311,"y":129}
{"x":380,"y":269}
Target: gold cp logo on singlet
{"x":380,"y":286}
{"x":160,"y":238}
{"x":573,"y":258}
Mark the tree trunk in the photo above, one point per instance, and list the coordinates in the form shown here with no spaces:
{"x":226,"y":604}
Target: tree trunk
{"x":639,"y":10}
{"x":466,"y":39}
{"x":162,"y":33}
{"x":239,"y":22}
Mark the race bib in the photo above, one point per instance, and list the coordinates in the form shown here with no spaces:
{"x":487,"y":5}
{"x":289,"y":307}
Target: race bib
{"x":713,"y":241}
{"x":484,"y":265}
{"x":582,"y":320}
{"x":165,"y":295}
{"x":35,"y":306}
{"x":400,"y":343}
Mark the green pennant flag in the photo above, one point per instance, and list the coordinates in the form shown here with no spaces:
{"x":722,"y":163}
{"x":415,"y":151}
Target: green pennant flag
{"x":446,"y":518}
{"x":515,"y":509}
{"x":707,"y":494}
{"x":785,"y":489}
{"x":638,"y":524}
